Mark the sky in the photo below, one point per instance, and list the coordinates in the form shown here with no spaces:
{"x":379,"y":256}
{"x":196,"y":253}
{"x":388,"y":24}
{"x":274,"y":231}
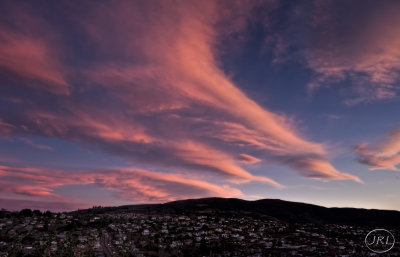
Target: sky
{"x":126,"y":102}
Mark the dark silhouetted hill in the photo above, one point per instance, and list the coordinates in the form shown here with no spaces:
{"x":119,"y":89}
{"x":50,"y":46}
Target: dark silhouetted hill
{"x":292,"y":212}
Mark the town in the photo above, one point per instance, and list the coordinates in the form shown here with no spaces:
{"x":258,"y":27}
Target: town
{"x":33,"y":233}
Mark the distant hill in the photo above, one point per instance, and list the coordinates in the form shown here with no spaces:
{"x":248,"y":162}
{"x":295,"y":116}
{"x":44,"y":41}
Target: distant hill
{"x":292,"y":212}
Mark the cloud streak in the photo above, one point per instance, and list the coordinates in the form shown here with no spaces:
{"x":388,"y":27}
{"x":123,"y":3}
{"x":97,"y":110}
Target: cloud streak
{"x":35,"y":145}
{"x":132,"y":184}
{"x":384,"y":155}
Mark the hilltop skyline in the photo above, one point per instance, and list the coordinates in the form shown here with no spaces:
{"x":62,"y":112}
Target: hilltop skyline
{"x":128,"y":102}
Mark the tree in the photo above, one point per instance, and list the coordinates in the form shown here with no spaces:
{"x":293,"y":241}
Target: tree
{"x":37,"y":213}
{"x":26,"y":213}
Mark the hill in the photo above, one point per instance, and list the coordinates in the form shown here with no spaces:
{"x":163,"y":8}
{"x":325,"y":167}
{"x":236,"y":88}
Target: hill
{"x":291,"y":212}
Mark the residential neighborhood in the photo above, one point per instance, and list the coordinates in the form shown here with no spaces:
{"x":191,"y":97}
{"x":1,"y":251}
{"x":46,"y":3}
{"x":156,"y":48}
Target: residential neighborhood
{"x":33,"y":233}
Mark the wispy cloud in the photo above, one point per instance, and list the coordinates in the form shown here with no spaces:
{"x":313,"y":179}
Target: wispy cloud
{"x":132,"y":184}
{"x":362,"y":49}
{"x":35,"y":145}
{"x":358,"y":54}
{"x":383,"y":155}
{"x":149,"y":87}
{"x":5,"y":128}
{"x":246,"y":158}
{"x":27,"y":55}
{"x":311,"y":167}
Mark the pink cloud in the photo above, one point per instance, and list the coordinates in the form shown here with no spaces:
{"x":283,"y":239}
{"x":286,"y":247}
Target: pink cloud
{"x":30,"y":190}
{"x":161,"y":100}
{"x":245,"y":158}
{"x":198,"y":154}
{"x":133,"y":184}
{"x":313,"y":168}
{"x":384,"y":155}
{"x":190,"y":77}
{"x":27,"y":51}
